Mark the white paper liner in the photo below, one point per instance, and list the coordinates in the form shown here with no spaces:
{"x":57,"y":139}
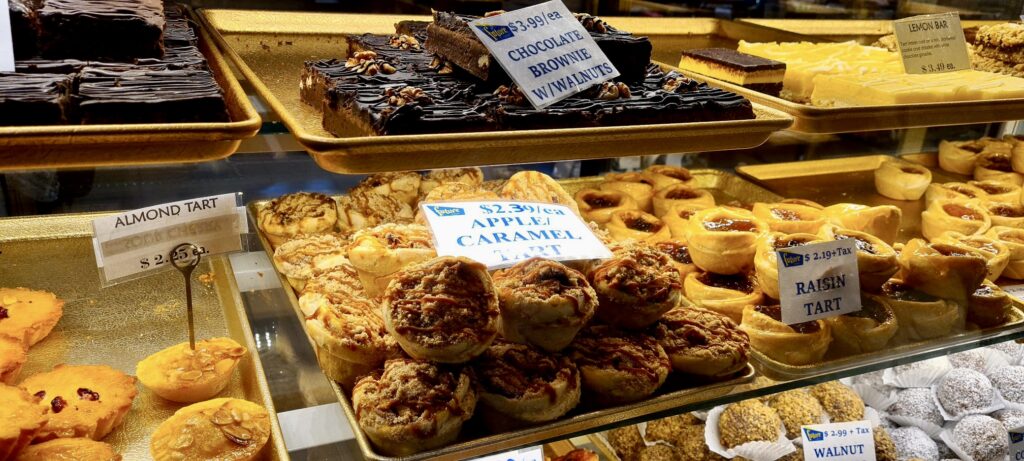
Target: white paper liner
{"x":933,"y":430}
{"x":1019,"y":406}
{"x":997,"y":404}
{"x":1009,"y":359}
{"x":950,"y":441}
{"x":926,"y":376}
{"x":872,"y":397}
{"x":994,"y":360}
{"x":754,"y":451}
{"x":701,"y":415}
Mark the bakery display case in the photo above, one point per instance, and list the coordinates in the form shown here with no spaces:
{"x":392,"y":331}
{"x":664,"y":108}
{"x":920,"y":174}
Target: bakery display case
{"x":342,"y":330}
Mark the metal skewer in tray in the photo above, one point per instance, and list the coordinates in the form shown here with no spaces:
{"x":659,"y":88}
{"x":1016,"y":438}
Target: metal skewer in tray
{"x":120,"y":325}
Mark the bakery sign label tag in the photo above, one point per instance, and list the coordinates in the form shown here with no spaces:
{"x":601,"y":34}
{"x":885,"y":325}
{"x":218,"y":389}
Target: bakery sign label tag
{"x":850,"y":441}
{"x":932,"y":43}
{"x":137,"y":242}
{"x":818,"y":281}
{"x":502,"y":233}
{"x":6,"y":38}
{"x":1017,"y":444}
{"x":545,"y":50}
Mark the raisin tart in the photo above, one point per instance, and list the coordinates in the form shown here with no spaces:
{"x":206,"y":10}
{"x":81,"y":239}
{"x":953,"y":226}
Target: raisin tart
{"x":967,"y":218}
{"x":876,"y":260}
{"x":868,"y":330}
{"x":83,"y":400}
{"x":766,"y":257}
{"x":953,"y":191}
{"x":1008,"y":214}
{"x":989,"y":306}
{"x":525,"y":384}
{"x":724,"y":294}
{"x":790,"y":218}
{"x":882,"y":221}
{"x":637,"y":225}
{"x":943,"y":270}
{"x":666,"y":175}
{"x":722,"y":239}
{"x":919,"y":315}
{"x":635,"y":286}
{"x":998,"y":167}
{"x":1013,"y":239}
{"x":997,"y":191}
{"x":959,"y":156}
{"x":635,"y":185}
{"x":679,"y":254}
{"x":598,"y":206}
{"x":182,"y":374}
{"x":996,"y":254}
{"x":679,"y":194}
{"x":902,"y":181}
{"x":619,"y":367}
{"x":678,"y":216}
{"x":222,"y":429}
{"x":799,"y":344}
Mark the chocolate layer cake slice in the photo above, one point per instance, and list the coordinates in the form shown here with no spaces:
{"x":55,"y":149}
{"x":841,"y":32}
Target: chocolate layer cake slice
{"x":148,"y":96}
{"x":395,"y":109}
{"x":33,"y":99}
{"x":450,"y":37}
{"x":754,"y":72}
{"x":111,"y":30}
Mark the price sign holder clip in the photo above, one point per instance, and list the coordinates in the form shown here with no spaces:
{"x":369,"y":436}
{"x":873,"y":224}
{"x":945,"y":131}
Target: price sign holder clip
{"x":185,"y":257}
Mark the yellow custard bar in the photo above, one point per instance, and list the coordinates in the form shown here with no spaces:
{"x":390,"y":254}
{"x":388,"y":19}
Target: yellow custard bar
{"x":749,"y":71}
{"x":889,"y":89}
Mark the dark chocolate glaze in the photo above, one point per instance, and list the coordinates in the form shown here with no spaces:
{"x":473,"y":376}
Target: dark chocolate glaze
{"x":733,"y":59}
{"x":148,"y":96}
{"x":33,"y":99}
{"x":115,"y":30}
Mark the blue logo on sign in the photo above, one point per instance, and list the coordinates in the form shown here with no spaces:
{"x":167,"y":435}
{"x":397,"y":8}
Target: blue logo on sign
{"x":496,"y":32}
{"x":813,"y":435}
{"x":791,"y":259}
{"x":1016,"y":437}
{"x":443,"y":211}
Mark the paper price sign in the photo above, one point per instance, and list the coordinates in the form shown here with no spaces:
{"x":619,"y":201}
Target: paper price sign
{"x":852,"y":441}
{"x":139,"y":241}
{"x":6,"y":38}
{"x":932,"y":43}
{"x":1017,"y":444}
{"x":500,"y":234}
{"x":545,"y":50}
{"x":818,"y":281}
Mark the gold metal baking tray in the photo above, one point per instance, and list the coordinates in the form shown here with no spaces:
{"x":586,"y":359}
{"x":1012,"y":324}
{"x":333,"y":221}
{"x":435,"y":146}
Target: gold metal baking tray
{"x":863,"y":31}
{"x":845,"y":180}
{"x":269,"y":49}
{"x":673,"y":395}
{"x":81,"y":146}
{"x":123,"y":324}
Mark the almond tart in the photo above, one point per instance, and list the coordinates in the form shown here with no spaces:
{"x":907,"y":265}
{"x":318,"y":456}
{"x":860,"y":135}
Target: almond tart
{"x":182,"y":374}
{"x":722,"y":240}
{"x":619,"y":367}
{"x":28,"y":315}
{"x":83,"y":400}
{"x":74,"y":449}
{"x":392,"y":411}
{"x":293,"y":215}
{"x":221,"y":429}
{"x":524,"y":384}
{"x":800,"y":344}
{"x":598,"y":206}
{"x":635,"y":286}
{"x":790,"y":218}
{"x":12,"y":357}
{"x":21,"y":418}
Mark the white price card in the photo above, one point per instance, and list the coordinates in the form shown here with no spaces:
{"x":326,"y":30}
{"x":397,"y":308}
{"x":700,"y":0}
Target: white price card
{"x":1017,"y":444}
{"x":819,"y":280}
{"x":932,"y":43}
{"x":525,"y":454}
{"x":6,"y":38}
{"x":851,"y":441}
{"x":1017,"y":291}
{"x":140,"y":241}
{"x":545,"y":50}
{"x":500,"y":234}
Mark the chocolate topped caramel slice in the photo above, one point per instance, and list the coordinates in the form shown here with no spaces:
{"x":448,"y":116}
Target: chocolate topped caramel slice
{"x":754,"y":72}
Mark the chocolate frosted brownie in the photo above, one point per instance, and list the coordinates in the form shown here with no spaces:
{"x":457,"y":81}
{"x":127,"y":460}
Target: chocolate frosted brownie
{"x":749,"y":71}
{"x":147,"y":96}
{"x":112,"y":30}
{"x":23,"y":27}
{"x":401,"y":109}
{"x":33,"y":99}
{"x":450,"y":37}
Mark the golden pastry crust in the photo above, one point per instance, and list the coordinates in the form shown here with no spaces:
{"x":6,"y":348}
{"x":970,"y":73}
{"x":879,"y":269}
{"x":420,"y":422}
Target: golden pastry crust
{"x":901,"y":180}
{"x":471,"y":176}
{"x":76,"y":449}
{"x":679,"y":254}
{"x":766,"y":258}
{"x":941,"y":269}
{"x":867,"y":330}
{"x":380,"y":252}
{"x":1008,"y":214}
{"x":458,"y":192}
{"x":21,"y":419}
{"x":996,"y":254}
{"x":637,"y":225}
{"x":543,"y":303}
{"x":722,"y":240}
{"x":996,"y":166}
{"x":526,"y":384}
{"x":301,"y":213}
{"x":660,"y":176}
{"x":534,"y":186}
{"x":882,"y":221}
{"x":1013,"y":239}
{"x":795,"y":408}
{"x":790,"y":218}
{"x":957,"y":191}
{"x":959,"y":156}
{"x":989,"y":306}
{"x":876,"y":260}
{"x":702,"y":342}
{"x":679,"y":216}
{"x":12,"y":357}
{"x":299,"y":258}
{"x":598,"y":206}
{"x":84,"y":400}
{"x":799,"y":344}
{"x":919,"y":315}
{"x":222,"y":429}
{"x":618,"y":367}
{"x":967,"y":218}
{"x":180,"y":374}
{"x":748,"y":421}
{"x":343,"y":278}
{"x":997,"y":191}
{"x":401,"y":185}
{"x":680,"y":194}
{"x":724,"y":294}
{"x":391,"y":410}
{"x":28,"y":315}
{"x":840,"y":402}
{"x":444,"y":309}
{"x":635,"y":185}
{"x":362,"y":209}
{"x":350,"y":336}
{"x":635,"y":286}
